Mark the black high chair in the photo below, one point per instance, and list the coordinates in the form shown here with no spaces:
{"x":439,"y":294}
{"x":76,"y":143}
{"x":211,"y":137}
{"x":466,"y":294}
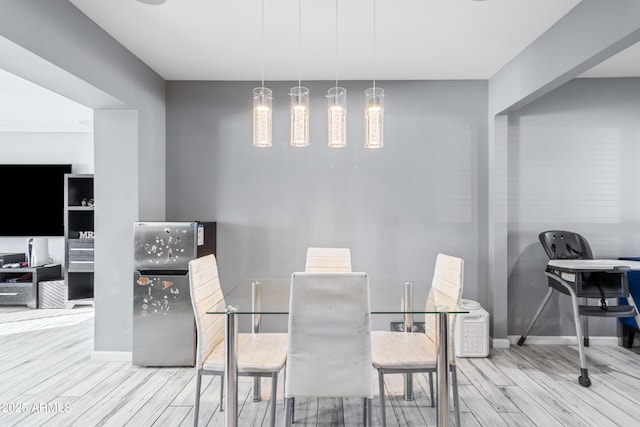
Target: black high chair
{"x":585,"y":284}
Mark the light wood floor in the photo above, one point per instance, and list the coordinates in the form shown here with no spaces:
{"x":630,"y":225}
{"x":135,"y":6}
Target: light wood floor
{"x":48,"y":378}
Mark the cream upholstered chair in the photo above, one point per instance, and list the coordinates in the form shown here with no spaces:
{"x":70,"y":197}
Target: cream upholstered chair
{"x":259,"y":355}
{"x":328,"y":260}
{"x":413,"y":352}
{"x":329,"y":353}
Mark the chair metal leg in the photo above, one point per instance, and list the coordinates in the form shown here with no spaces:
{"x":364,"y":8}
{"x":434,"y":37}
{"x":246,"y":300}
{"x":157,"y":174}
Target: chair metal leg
{"x":583,"y":379}
{"x":433,"y":403}
{"x":196,"y":408}
{"x":364,"y":412}
{"x":221,"y":393}
{"x":288,"y":411}
{"x":585,"y":330}
{"x":456,"y":402}
{"x":383,"y":413}
{"x":408,"y":387}
{"x":632,"y":302}
{"x":274,"y":395}
{"x":524,"y":336}
{"x":256,"y":389}
{"x":628,"y":334}
{"x":367,"y":407}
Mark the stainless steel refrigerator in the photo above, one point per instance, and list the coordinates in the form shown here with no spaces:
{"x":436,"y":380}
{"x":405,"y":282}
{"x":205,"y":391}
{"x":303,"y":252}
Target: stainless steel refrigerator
{"x":164,"y":331}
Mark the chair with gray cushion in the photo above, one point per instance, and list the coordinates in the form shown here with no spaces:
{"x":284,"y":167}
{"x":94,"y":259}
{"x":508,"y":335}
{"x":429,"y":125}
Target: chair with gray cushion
{"x":259,"y":354}
{"x":329,"y":351}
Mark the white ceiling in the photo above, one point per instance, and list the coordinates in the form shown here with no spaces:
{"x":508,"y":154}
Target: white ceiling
{"x":414,"y":39}
{"x":223,"y":40}
{"x":27,"y":107}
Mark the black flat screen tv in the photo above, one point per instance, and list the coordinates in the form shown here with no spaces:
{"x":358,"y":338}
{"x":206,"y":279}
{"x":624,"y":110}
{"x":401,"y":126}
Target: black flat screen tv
{"x":33,"y":199}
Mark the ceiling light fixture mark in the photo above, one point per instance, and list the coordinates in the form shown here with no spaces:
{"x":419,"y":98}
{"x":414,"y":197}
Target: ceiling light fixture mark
{"x":152,"y":2}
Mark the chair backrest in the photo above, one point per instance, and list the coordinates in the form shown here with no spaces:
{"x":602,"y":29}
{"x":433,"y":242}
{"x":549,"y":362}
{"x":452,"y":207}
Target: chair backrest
{"x":446,"y":291}
{"x":206,"y":295}
{"x":328,"y":260}
{"x":329,"y":346}
{"x":559,"y":244}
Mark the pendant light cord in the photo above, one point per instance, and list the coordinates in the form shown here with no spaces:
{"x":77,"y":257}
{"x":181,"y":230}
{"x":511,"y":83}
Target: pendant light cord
{"x":299,"y":38}
{"x":374,"y":45}
{"x":336,"y":44}
{"x":262,"y":29}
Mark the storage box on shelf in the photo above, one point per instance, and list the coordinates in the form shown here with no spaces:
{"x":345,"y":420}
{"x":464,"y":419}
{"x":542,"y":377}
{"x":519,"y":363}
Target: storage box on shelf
{"x":52,"y":294}
{"x":79,"y":236}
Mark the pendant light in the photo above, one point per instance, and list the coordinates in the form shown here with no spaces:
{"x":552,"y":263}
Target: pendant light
{"x":374,"y":104}
{"x":262,"y":106}
{"x":299,"y":103}
{"x":337,"y":108}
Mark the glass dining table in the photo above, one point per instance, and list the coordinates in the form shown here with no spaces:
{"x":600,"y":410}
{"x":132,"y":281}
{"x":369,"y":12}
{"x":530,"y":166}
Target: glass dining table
{"x":263,"y":305}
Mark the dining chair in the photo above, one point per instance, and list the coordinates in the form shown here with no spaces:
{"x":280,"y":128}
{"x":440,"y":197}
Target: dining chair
{"x":328,"y":260}
{"x":416,"y":352}
{"x":329,"y":351}
{"x":259,"y":354}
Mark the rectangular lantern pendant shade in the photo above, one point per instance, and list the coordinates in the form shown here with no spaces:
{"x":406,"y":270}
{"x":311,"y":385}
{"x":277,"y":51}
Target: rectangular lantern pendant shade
{"x":299,"y":116}
{"x":337,"y":117}
{"x":374,"y":118}
{"x":262,"y":117}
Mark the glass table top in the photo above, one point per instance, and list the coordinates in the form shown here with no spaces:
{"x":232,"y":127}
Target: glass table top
{"x":386,"y":296}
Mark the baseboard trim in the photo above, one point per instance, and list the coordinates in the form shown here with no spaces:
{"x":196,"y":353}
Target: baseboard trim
{"x":500,"y":343}
{"x":563,"y":340}
{"x":111,"y":356}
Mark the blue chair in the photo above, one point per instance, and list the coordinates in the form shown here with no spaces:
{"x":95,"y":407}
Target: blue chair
{"x":629,"y":324}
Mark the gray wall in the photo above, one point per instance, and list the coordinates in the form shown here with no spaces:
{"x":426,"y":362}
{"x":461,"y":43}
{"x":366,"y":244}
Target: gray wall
{"x":396,"y":208}
{"x":572,"y":165}
{"x":53,"y":44}
{"x":590,"y":33}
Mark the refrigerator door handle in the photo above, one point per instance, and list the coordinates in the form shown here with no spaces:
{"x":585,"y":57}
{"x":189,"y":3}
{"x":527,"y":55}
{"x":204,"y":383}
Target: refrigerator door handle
{"x":163,"y":272}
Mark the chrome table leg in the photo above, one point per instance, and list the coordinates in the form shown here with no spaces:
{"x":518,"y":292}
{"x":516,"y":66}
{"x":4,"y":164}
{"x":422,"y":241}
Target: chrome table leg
{"x":256,"y":289}
{"x":231,"y":367}
{"x":442,"y":326}
{"x":408,"y":327}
